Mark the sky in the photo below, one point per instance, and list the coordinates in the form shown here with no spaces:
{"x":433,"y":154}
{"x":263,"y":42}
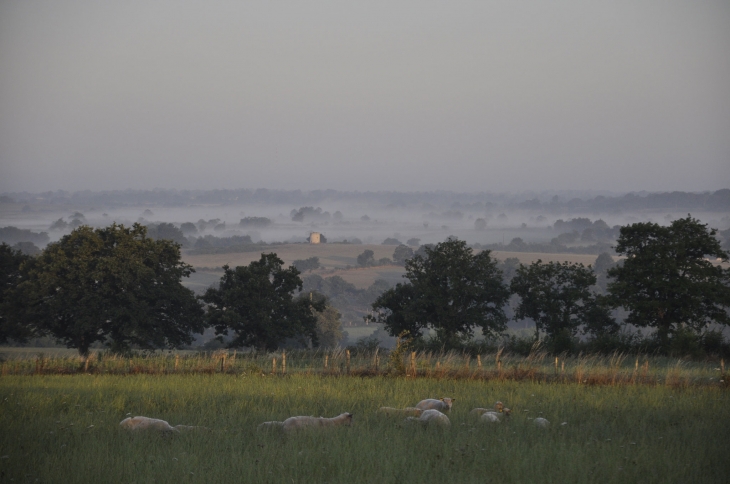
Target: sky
{"x":498,"y":96}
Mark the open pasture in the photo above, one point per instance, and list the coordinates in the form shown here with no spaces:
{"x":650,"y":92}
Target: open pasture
{"x":66,"y":429}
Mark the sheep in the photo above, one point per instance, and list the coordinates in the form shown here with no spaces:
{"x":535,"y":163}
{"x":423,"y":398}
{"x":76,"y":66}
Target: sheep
{"x":146,"y":423}
{"x":270,"y":425}
{"x":492,"y":415}
{"x":431,"y":417}
{"x":541,"y":422}
{"x":442,"y":405}
{"x":400,"y":412}
{"x":295,"y":423}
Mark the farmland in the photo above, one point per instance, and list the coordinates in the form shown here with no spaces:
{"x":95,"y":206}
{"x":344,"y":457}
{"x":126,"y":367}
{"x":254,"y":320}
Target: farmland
{"x":65,"y":429}
{"x":335,"y":258}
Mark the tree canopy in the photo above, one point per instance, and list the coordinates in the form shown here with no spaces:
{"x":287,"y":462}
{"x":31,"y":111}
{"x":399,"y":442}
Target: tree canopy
{"x":11,"y":308}
{"x":113,"y":285}
{"x":257,"y":304}
{"x":558,"y":298}
{"x":450,"y":290}
{"x":665,"y":280}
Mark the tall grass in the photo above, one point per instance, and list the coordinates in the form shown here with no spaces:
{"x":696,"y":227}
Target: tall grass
{"x":58,"y":428}
{"x":538,"y":366}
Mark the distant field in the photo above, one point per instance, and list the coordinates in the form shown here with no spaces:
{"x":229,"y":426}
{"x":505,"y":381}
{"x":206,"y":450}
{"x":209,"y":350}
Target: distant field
{"x":66,"y":429}
{"x":333,"y":256}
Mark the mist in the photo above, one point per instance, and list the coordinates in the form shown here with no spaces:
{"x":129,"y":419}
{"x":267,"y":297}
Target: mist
{"x":407,"y":96}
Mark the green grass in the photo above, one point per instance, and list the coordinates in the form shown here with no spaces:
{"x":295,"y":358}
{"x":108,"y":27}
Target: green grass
{"x":640,"y":433}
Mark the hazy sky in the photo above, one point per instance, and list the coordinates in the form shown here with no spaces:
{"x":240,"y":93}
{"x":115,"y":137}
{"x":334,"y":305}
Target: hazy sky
{"x":408,"y":95}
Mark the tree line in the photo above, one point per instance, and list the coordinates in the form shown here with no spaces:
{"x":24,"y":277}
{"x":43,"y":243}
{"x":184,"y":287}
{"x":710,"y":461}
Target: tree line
{"x":667,"y":280}
{"x":120,"y":287}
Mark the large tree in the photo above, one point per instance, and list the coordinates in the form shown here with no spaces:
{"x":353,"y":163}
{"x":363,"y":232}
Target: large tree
{"x":257,"y":304}
{"x":450,"y":290}
{"x":12,"y":324}
{"x":665,"y":281}
{"x":113,"y":285}
{"x":558,"y":298}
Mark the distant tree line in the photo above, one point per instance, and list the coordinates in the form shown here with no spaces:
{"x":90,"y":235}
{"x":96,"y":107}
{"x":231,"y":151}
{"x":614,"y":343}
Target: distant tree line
{"x":705,"y":201}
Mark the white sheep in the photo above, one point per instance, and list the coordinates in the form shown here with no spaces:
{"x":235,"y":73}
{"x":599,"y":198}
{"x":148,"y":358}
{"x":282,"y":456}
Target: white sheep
{"x":492,"y":415}
{"x":431,"y":417}
{"x":541,"y":422}
{"x":294,"y":423}
{"x":270,"y":425}
{"x":146,"y":423}
{"x":401,"y":412}
{"x":442,"y":405}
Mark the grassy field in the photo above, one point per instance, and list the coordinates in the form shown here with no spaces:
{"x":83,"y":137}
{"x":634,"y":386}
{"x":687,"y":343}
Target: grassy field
{"x":65,"y":429}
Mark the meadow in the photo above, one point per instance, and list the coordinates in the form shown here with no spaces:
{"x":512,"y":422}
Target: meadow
{"x":65,"y":427}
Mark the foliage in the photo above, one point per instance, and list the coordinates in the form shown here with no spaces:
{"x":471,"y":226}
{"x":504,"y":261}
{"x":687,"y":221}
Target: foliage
{"x":256,"y":302}
{"x":366,"y":259}
{"x":665,"y":281}
{"x":401,"y":254}
{"x":480,"y":224}
{"x":414,"y":242}
{"x":557,"y":297}
{"x":12,"y":327}
{"x":114,"y":285}
{"x":451,"y":291}
{"x":259,"y":222}
{"x":329,"y":327}
{"x":12,"y":235}
{"x":392,"y":241}
{"x":309,"y":264}
{"x":603,"y":263}
{"x":166,"y":231}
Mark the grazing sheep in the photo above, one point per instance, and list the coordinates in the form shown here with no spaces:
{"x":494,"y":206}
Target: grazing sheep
{"x":442,"y":405}
{"x":431,"y":417}
{"x":294,"y":423}
{"x":146,"y":423}
{"x":541,"y":422}
{"x":270,"y":425}
{"x":401,"y":412}
{"x":492,"y":415}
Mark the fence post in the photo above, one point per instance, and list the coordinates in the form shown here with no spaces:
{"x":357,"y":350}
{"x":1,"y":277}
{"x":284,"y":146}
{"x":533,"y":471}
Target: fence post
{"x":273,"y":366}
{"x":722,"y":366}
{"x":223,"y":363}
{"x":326,"y":361}
{"x":413,"y":364}
{"x":283,"y":362}
{"x":556,"y":365}
{"x":177,"y":362}
{"x":438,"y":365}
{"x":479,"y":361}
{"x":348,"y":362}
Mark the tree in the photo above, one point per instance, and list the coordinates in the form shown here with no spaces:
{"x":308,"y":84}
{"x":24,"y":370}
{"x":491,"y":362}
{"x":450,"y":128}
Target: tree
{"x":480,"y":224}
{"x":256,"y":302}
{"x":329,"y":327}
{"x":113,"y":285}
{"x":306,"y":264}
{"x":557,"y":297}
{"x":666,"y":282}
{"x":451,"y":290}
{"x":603,"y":263}
{"x":12,"y":327}
{"x":367,"y":258}
{"x":401,"y":254}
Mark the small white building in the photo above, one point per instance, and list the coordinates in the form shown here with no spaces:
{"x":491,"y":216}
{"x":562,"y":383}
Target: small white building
{"x":314,"y":238}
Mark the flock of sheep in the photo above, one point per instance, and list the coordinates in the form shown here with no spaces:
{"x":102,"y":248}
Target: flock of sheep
{"x":427,"y":412}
